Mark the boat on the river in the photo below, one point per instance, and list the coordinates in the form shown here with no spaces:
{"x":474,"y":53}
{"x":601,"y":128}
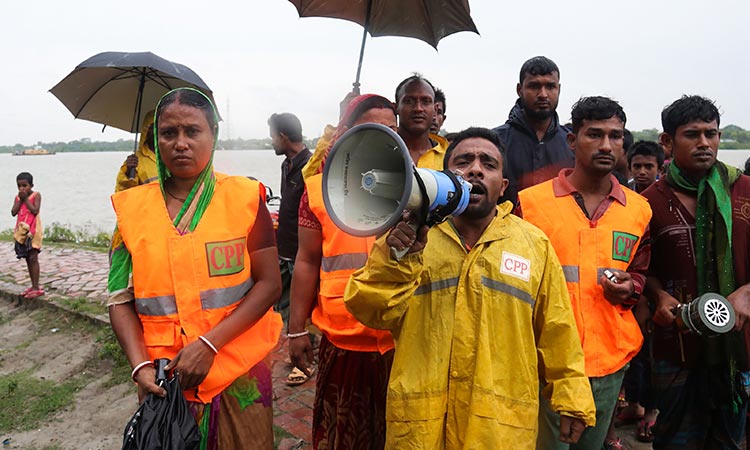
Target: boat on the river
{"x":33,"y":151}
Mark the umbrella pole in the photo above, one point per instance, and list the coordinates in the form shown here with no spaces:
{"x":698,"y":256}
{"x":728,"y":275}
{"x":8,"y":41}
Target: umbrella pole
{"x":362,"y":47}
{"x":139,"y":100}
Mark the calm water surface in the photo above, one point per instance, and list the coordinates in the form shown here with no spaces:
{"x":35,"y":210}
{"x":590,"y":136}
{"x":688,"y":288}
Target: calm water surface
{"x":75,"y":187}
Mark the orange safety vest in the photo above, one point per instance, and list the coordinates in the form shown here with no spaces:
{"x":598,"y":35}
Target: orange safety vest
{"x":185,"y":285}
{"x":609,"y":334}
{"x":342,"y":255}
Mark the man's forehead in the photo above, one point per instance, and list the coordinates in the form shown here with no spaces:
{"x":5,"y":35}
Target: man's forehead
{"x":545,"y":78}
{"x":699,"y":125}
{"x":477,"y":145}
{"x":613,"y":123}
{"x":418,"y":85}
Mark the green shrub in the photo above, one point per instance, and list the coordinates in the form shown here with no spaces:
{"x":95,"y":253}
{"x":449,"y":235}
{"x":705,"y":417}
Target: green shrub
{"x":59,"y":233}
{"x":6,"y":235}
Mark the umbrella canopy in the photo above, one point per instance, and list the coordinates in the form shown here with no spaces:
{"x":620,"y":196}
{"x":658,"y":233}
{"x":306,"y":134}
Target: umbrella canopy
{"x":117,"y":89}
{"x":427,"y":20}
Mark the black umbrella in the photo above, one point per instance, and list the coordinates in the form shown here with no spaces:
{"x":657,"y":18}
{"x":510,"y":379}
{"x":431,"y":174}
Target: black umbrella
{"x":427,"y":20}
{"x":117,"y":89}
{"x":162,"y":423}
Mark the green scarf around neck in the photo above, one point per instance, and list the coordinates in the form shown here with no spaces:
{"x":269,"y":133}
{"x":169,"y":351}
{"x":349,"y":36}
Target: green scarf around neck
{"x":206,"y":179}
{"x":713,"y":251}
{"x":713,"y":225}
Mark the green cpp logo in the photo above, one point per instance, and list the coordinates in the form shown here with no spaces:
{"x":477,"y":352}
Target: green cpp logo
{"x":623,"y":245}
{"x":225,"y":258}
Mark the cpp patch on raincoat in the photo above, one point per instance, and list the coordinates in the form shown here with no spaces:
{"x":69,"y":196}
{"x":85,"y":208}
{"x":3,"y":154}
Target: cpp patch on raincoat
{"x":226,"y":257}
{"x":515,"y":266}
{"x":622,"y":245}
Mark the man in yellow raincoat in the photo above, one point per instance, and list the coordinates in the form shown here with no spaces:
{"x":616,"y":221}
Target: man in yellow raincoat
{"x":143,"y":160}
{"x":480,"y":314}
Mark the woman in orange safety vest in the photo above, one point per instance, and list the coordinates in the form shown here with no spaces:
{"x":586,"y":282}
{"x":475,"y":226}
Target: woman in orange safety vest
{"x":193,"y":278}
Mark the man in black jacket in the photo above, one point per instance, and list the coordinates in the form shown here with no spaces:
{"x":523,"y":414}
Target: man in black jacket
{"x":535,"y":141}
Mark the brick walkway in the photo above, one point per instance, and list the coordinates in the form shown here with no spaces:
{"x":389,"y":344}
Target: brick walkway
{"x":83,"y":274}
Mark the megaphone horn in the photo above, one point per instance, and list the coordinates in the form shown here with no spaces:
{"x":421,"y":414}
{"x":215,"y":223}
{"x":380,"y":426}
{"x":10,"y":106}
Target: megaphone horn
{"x":369,"y":180}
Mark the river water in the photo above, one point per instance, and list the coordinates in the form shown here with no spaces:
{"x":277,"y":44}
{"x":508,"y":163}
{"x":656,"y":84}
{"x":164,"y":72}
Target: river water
{"x":75,"y":187}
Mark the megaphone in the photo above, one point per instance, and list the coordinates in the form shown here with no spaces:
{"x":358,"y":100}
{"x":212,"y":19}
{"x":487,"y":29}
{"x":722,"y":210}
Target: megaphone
{"x":369,"y":179}
{"x":709,"y":315}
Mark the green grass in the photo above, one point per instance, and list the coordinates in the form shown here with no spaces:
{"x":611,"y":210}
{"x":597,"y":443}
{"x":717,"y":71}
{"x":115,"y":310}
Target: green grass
{"x":83,"y":305}
{"x":28,"y":401}
{"x":69,"y":237}
{"x":110,"y":350}
{"x":279,"y":434}
{"x":47,"y":319}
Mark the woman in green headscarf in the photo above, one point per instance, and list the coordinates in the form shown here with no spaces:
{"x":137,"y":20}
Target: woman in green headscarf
{"x":193,"y":278}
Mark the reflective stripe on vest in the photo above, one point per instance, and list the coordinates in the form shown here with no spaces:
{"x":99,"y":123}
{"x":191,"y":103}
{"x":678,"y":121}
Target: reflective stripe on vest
{"x":436,"y":286}
{"x":180,"y":291}
{"x":342,"y":254}
{"x":510,"y":290}
{"x":163,"y":305}
{"x":571,"y":274}
{"x":166,"y":305}
{"x":219,"y":298}
{"x":346,"y":261}
{"x":609,"y":335}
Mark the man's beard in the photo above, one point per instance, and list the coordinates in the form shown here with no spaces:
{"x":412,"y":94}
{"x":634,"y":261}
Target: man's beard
{"x":479,"y":211}
{"x":539,"y":115}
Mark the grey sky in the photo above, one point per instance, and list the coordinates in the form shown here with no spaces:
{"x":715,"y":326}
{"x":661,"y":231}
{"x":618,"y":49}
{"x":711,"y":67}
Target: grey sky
{"x":260,"y":58}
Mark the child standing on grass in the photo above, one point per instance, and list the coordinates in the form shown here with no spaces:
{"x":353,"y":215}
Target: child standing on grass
{"x":28,"y":231}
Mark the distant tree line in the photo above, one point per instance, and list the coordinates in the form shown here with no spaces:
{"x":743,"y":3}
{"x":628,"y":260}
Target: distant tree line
{"x":733,"y":137}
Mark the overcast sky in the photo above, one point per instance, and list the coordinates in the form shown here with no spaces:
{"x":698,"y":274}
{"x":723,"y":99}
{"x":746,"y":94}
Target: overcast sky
{"x":260,"y":58}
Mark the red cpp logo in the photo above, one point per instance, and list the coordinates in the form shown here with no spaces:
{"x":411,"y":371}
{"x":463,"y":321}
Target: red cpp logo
{"x":225,"y":258}
{"x":623,"y":245}
{"x":515,"y":266}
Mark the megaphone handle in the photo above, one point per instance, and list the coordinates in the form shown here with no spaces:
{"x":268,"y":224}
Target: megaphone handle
{"x":131,"y":172}
{"x":398,"y":254}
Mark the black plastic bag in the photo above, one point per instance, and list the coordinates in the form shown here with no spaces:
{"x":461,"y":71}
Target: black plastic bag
{"x":162,"y":423}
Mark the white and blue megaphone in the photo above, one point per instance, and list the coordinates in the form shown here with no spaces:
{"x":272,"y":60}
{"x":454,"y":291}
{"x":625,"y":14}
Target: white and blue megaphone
{"x":369,"y":179}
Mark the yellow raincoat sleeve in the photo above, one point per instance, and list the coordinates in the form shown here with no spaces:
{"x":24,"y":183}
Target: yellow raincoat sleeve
{"x":321,"y":151}
{"x":377,"y":303}
{"x":146,"y":171}
{"x":123,"y":182}
{"x":560,"y":355}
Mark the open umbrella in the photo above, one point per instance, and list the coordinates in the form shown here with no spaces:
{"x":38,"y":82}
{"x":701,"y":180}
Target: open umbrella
{"x":117,"y":89}
{"x":427,"y":20}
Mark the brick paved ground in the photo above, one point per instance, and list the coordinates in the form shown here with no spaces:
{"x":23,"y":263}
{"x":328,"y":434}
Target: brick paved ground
{"x":79,"y":274}
{"x":76,"y":274}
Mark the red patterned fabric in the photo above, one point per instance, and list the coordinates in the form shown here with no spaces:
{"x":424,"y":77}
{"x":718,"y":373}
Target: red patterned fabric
{"x":350,"y":414}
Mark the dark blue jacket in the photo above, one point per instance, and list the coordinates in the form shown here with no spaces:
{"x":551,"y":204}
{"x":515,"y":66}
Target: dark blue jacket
{"x":529,"y":161}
